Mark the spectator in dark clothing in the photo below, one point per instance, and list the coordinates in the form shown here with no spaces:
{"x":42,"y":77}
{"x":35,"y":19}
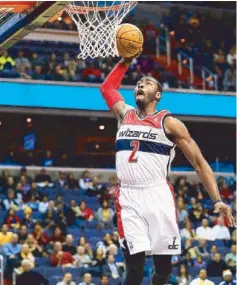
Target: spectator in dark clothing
{"x":57,"y":235}
{"x":72,"y":182}
{"x":34,"y":191}
{"x":29,"y":277}
{"x":196,"y":214}
{"x":104,"y":280}
{"x":22,"y":234}
{"x":37,"y":73}
{"x":58,"y":73}
{"x":61,"y":182}
{"x":99,"y":258}
{"x":228,"y":278}
{"x":68,"y":246}
{"x":43,"y":177}
{"x":95,"y":187}
{"x":216,"y":266}
{"x":64,"y":160}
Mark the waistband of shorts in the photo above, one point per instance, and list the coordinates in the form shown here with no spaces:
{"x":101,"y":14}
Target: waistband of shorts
{"x":129,"y":184}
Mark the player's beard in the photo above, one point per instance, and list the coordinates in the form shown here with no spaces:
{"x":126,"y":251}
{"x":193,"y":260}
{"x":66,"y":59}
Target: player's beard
{"x":141,"y":104}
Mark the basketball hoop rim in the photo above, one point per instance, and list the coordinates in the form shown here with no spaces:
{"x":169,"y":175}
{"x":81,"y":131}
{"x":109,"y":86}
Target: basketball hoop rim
{"x":83,"y":10}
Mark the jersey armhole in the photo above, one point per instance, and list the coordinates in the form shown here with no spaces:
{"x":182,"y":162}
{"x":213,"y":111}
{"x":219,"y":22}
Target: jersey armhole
{"x":168,"y":114}
{"x":127,"y":110}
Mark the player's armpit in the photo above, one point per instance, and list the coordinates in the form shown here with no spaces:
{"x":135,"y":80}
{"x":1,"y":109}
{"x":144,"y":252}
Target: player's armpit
{"x":179,"y":134}
{"x":119,"y":110}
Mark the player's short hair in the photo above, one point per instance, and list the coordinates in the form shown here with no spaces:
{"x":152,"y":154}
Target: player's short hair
{"x":159,"y":86}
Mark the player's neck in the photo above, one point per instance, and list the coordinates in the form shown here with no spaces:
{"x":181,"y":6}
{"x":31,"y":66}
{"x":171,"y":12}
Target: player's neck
{"x":146,"y":112}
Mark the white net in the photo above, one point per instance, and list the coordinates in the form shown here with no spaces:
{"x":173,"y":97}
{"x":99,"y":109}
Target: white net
{"x":96,"y":22}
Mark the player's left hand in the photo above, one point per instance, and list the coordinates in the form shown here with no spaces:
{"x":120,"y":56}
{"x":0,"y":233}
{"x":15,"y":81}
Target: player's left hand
{"x":225,"y":210}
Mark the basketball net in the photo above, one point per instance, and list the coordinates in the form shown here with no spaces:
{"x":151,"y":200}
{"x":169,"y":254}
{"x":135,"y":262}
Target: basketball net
{"x":97,"y":22}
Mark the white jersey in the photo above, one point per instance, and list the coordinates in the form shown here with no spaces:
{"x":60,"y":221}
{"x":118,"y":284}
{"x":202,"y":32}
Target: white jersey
{"x":143,"y":151}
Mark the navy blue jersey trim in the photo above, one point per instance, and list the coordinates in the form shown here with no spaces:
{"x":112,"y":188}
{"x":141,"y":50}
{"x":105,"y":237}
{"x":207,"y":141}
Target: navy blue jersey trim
{"x":145,"y":146}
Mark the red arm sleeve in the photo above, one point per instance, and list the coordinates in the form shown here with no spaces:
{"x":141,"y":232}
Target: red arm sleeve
{"x":111,"y":85}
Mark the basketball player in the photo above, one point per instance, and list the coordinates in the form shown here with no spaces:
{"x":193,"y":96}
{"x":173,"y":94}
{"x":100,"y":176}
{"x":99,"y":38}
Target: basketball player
{"x":145,"y":142}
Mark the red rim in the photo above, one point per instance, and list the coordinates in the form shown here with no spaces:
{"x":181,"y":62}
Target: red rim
{"x":83,"y":10}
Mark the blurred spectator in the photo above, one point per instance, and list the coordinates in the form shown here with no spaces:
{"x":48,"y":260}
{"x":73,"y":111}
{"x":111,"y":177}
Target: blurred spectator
{"x":83,"y":212}
{"x":87,"y":279}
{"x":60,"y":258}
{"x":23,"y":234}
{"x":213,"y":250}
{"x":105,"y":214}
{"x":104,"y":280}
{"x":6,"y":61}
{"x":28,"y":275}
{"x":216,"y":266}
{"x":11,"y":202}
{"x":12,"y":248}
{"x":12,"y":220}
{"x":84,"y":243}
{"x":27,"y":220}
{"x":202,"y":280}
{"x":71,"y":181}
{"x":57,"y":235}
{"x":150,"y":33}
{"x":49,"y":221}
{"x":228,"y":279}
{"x":190,"y":248}
{"x":81,"y":258}
{"x":25,"y":253}
{"x":33,"y":191}
{"x":61,"y":182}
{"x":4,"y":178}
{"x":34,"y":246}
{"x":231,"y":57}
{"x":68,"y":245}
{"x":115,"y":238}
{"x":201,"y":249}
{"x":67,"y":280}
{"x":182,"y":212}
{"x":23,"y":73}
{"x":43,"y":205}
{"x":37,"y":73}
{"x":225,"y":192}
{"x":183,"y":276}
{"x":35,"y":60}
{"x":40,"y":235}
{"x":5,"y":235}
{"x":21,"y":61}
{"x":99,"y":259}
{"x":220,"y":231}
{"x":230,"y":258}
{"x":187,"y":231}
{"x":10,"y":183}
{"x":43,"y":179}
{"x":95,"y":187}
{"x":230,"y":78}
{"x":48,"y":159}
{"x":85,"y":180}
{"x":196,"y":214}
{"x":188,"y":261}
{"x":111,"y":269}
{"x":92,"y":74}
{"x":200,"y":263}
{"x":204,"y":231}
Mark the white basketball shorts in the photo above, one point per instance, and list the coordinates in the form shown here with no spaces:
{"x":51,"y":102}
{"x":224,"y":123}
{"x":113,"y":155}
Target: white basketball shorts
{"x":147,"y":219}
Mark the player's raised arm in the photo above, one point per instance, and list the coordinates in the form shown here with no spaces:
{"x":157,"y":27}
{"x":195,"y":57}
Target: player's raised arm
{"x":109,"y":89}
{"x":179,"y":134}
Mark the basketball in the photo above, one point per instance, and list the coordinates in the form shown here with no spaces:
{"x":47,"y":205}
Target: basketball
{"x":129,"y":40}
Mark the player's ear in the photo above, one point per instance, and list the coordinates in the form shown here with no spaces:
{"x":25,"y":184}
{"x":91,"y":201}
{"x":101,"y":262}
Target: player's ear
{"x":158,"y":96}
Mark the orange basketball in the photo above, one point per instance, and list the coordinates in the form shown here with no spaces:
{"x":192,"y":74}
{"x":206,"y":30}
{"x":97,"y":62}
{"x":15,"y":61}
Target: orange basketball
{"x":129,"y":40}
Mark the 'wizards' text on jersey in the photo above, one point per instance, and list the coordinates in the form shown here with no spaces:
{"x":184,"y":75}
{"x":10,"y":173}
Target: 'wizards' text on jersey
{"x":143,"y":151}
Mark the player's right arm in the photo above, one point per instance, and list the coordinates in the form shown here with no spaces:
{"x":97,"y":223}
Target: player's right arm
{"x":109,"y":89}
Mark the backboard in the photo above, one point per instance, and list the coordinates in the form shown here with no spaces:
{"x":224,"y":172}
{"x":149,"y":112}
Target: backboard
{"x":19,"y":18}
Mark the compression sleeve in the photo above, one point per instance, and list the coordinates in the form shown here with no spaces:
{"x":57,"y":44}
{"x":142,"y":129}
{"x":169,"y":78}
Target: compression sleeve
{"x":109,"y":88}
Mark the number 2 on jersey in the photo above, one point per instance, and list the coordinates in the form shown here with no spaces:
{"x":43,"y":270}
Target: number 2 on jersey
{"x":135,"y":145}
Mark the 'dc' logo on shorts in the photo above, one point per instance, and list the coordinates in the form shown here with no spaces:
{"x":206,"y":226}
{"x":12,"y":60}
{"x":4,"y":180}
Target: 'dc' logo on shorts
{"x":173,"y":246}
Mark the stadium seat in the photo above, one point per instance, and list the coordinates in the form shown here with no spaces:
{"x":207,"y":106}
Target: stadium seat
{"x":42,"y":261}
{"x":215,"y":280}
{"x":53,"y":271}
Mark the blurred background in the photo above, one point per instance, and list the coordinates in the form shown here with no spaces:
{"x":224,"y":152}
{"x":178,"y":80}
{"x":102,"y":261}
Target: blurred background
{"x":57,"y":139}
